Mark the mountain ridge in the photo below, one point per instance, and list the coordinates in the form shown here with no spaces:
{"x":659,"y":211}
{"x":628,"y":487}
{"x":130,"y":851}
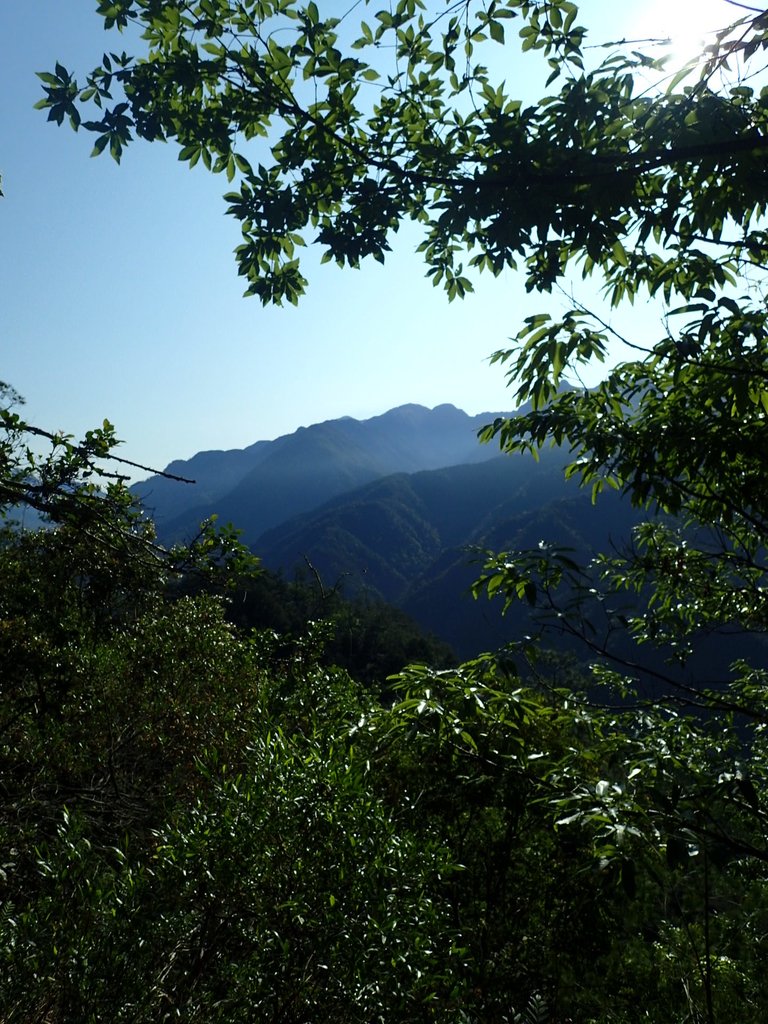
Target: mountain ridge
{"x":392,"y":507}
{"x":268,"y":482}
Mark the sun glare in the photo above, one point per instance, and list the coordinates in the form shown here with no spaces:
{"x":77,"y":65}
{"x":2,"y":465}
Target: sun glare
{"x":684,"y":28}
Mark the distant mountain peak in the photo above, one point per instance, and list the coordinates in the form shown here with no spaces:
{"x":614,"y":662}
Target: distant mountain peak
{"x":260,"y":486}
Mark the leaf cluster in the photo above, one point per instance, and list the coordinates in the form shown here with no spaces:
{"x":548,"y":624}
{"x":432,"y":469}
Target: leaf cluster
{"x":345,"y":138}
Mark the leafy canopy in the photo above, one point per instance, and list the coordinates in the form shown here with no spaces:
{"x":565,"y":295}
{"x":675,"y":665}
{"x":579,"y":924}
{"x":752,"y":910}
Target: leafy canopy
{"x":335,"y":133}
{"x":522,"y":849}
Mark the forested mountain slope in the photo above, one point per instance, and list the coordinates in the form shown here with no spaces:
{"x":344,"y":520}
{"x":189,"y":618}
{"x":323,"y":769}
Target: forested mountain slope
{"x":418,"y":541}
{"x":385,"y":534}
{"x":415,"y":539}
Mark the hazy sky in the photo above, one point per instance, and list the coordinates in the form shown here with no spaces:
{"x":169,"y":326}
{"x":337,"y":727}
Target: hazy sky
{"x":119,"y":295}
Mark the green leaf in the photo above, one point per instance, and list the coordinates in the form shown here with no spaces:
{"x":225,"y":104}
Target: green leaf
{"x":619,"y":254}
{"x":100,"y":145}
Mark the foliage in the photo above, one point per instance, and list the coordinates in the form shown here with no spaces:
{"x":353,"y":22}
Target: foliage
{"x":370,"y":639}
{"x":199,"y":820}
{"x":207,"y":827}
{"x":261,"y":873}
{"x":355,"y":145}
{"x":586,"y":878}
{"x":104,"y":532}
{"x":572,"y":856}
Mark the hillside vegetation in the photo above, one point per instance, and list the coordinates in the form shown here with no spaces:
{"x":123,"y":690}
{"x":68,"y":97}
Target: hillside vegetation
{"x":206,"y":822}
{"x":210,"y":820}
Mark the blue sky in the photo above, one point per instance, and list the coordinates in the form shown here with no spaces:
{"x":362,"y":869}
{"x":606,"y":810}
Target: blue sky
{"x":120,"y":296}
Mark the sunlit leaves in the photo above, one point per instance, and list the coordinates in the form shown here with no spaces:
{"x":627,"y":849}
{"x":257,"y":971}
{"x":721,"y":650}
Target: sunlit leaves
{"x":566,"y":180}
{"x":494,"y":821}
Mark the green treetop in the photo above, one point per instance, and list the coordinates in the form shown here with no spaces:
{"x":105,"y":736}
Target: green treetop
{"x":336,"y":132}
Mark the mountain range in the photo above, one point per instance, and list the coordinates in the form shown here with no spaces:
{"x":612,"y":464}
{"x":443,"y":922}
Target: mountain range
{"x":397,"y":506}
{"x":401,"y":508}
{"x":261,"y":486}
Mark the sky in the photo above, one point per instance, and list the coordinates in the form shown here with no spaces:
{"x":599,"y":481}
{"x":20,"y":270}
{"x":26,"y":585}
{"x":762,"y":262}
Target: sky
{"x":119,"y":296}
